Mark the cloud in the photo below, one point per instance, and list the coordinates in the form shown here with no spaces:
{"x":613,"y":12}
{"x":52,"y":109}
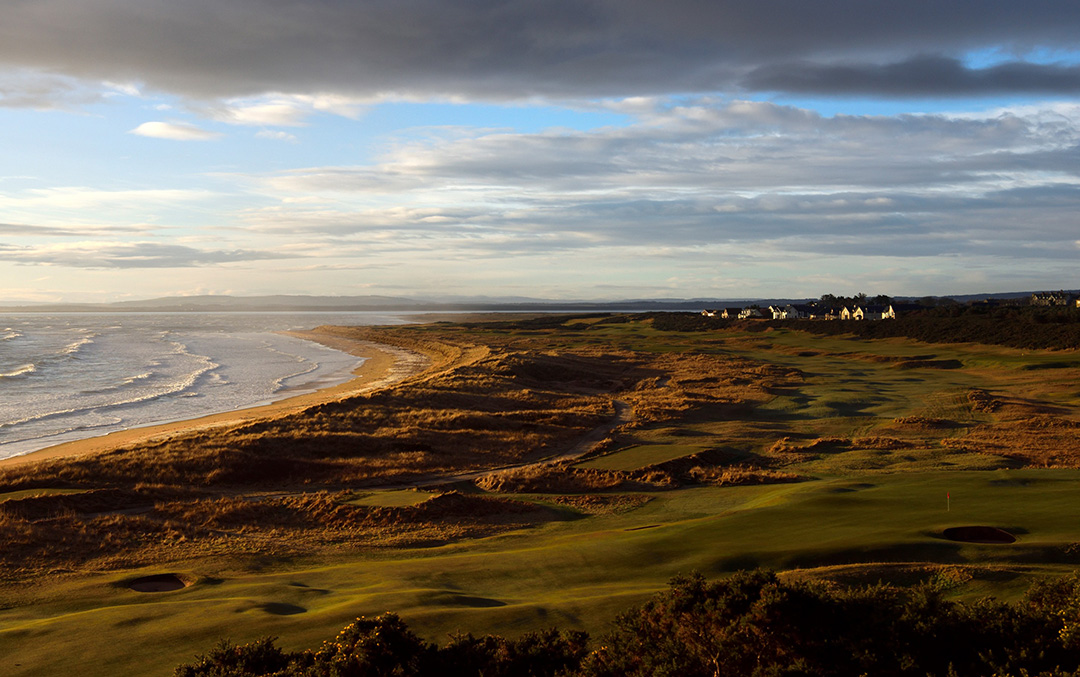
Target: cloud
{"x":23,"y":230}
{"x":276,"y":136}
{"x":77,"y":198}
{"x":37,"y":231}
{"x":497,"y":49}
{"x":281,"y":110}
{"x":698,"y":175}
{"x":918,"y":76}
{"x":25,"y":88}
{"x":113,"y":255}
{"x":174,"y":131}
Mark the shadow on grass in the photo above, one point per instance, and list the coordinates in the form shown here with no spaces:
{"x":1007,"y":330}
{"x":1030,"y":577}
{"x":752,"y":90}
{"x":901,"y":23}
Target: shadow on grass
{"x":282,"y":609}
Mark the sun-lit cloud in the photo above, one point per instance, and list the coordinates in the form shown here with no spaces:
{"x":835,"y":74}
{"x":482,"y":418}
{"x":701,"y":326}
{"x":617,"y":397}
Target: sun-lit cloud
{"x":174,"y":131}
{"x":281,"y":110}
{"x":276,"y":135}
{"x":127,"y":255}
{"x":707,"y":173}
{"x":86,"y":197}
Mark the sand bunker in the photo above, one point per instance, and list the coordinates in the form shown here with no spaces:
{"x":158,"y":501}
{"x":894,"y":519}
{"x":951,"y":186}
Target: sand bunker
{"x":158,"y":583}
{"x":979,"y":535}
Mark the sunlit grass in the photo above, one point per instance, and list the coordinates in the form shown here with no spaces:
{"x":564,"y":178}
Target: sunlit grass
{"x":640,"y":456}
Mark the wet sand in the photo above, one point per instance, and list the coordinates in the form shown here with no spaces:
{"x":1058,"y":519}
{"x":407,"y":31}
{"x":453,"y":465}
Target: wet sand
{"x":383,"y":366}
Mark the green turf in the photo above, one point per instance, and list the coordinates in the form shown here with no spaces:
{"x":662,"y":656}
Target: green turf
{"x":571,"y":574}
{"x":390,"y":499}
{"x":640,"y":456}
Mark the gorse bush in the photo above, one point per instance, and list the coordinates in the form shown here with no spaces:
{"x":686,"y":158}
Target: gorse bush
{"x":384,"y":646}
{"x":752,"y":624}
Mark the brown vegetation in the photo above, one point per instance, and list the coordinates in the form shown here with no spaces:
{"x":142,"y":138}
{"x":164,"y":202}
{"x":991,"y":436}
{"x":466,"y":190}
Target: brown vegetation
{"x":1039,"y":441}
{"x":923,"y":422}
{"x":261,"y":487}
{"x":983,"y":401}
{"x":285,"y":526}
{"x":514,"y":405}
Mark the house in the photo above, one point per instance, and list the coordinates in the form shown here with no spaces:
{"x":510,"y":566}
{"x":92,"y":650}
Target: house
{"x":731,"y":313}
{"x":847,"y":313}
{"x":750,"y":313}
{"x":1050,"y":298}
{"x":710,"y":313}
{"x":871,"y":312}
{"x":792,"y":312}
{"x":894,"y":310}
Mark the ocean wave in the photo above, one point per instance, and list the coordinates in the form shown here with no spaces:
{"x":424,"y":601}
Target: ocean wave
{"x":179,"y":388}
{"x":24,"y":370}
{"x":124,"y":382}
{"x":75,"y":347}
{"x":95,"y":377}
{"x":91,"y":424}
{"x":281,"y":382}
{"x":10,"y":334}
{"x":131,"y":391}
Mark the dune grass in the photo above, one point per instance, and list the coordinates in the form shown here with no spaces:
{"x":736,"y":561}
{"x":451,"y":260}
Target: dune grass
{"x":43,"y":491}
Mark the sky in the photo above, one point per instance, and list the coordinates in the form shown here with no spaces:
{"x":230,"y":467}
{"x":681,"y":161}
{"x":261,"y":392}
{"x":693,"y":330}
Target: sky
{"x":593,"y":149}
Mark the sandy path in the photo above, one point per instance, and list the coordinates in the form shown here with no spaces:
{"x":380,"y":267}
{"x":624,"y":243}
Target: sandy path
{"x":384,"y":365}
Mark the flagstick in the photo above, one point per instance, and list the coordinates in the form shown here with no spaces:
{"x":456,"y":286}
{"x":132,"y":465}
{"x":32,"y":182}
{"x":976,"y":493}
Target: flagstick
{"x":948,"y":502}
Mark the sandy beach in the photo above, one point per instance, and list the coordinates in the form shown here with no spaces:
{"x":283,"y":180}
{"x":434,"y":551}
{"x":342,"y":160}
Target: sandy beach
{"x":382,"y":366}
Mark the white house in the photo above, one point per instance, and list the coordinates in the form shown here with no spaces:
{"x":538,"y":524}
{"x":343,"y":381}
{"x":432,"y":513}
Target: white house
{"x":791,"y":312}
{"x":868,"y":313}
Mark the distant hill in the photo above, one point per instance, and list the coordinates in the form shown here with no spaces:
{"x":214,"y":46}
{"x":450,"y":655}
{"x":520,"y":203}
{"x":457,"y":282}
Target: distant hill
{"x":286,"y":303}
{"x":298,"y":303}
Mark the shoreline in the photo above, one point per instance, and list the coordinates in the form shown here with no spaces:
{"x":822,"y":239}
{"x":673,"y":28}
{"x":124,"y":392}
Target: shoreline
{"x":382,"y":366}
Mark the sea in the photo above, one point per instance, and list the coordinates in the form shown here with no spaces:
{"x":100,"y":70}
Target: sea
{"x":70,"y":376}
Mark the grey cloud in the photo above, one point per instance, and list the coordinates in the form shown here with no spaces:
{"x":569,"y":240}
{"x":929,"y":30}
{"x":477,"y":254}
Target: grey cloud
{"x":920,"y":76}
{"x":28,"y":230}
{"x":23,"y":230}
{"x":128,"y":255}
{"x":511,"y":49}
{"x":44,"y":91}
